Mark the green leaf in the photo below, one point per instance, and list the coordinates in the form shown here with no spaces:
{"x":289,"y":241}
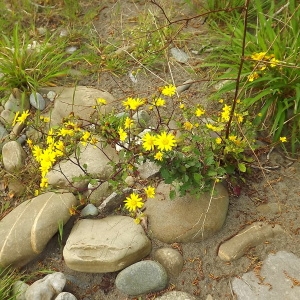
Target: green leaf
{"x":242,"y":167}
{"x":172,"y":194}
{"x":197,"y":177}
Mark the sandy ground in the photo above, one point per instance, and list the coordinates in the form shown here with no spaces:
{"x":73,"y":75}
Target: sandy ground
{"x":204,"y":273}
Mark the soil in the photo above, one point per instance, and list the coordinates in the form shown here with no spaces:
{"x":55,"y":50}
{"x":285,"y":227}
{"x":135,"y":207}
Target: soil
{"x":203,"y":273}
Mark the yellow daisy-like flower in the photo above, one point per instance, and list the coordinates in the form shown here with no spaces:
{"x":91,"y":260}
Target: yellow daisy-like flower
{"x":150,"y":191}
{"x":181,"y":106}
{"x":159,"y":102}
{"x":29,"y":143}
{"x":218,"y":140}
{"x":128,"y":123}
{"x":199,"y":112}
{"x":259,"y":56}
{"x":232,"y":138}
{"x":225,"y":114}
{"x":169,"y":90}
{"x":37,"y":152}
{"x":148,"y":141}
{"x":274,"y":62}
{"x":214,"y":128}
{"x":122,"y":134}
{"x":283,"y":139}
{"x":253,"y":76}
{"x":65,"y":132}
{"x":45,"y":119}
{"x":101,"y":101}
{"x":188,"y":125}
{"x":133,"y":202}
{"x":44,"y":182}
{"x":133,"y":103}
{"x":22,"y":118}
{"x":158,"y":156}
{"x":165,"y":141}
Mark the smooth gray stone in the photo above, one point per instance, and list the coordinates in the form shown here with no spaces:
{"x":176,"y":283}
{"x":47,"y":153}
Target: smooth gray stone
{"x":142,"y":277}
{"x":37,"y":101}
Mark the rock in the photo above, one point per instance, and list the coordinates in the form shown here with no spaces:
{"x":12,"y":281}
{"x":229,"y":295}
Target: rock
{"x":105,"y":245}
{"x":79,"y":100}
{"x":114,"y":201}
{"x":129,"y":180}
{"x":7,"y":117}
{"x":191,"y":218}
{"x":179,"y":55}
{"x":209,"y":297}
{"x":185,"y":86}
{"x":3,"y":133}
{"x":37,"y":101}
{"x":19,"y":289}
{"x":269,"y":208}
{"x":89,"y":211}
{"x":97,"y":193}
{"x":141,"y":119}
{"x":27,"y":229}
{"x":93,"y":157}
{"x":277,"y":274}
{"x":17,"y":129}
{"x":142,"y":277}
{"x":251,"y":236}
{"x":47,"y":287}
{"x":71,"y":49}
{"x":17,"y":101}
{"x":51,"y":95}
{"x":13,"y":156}
{"x":176,"y":295}
{"x":170,"y":259}
{"x":65,"y":296}
{"x":148,"y":169}
{"x":16,"y":187}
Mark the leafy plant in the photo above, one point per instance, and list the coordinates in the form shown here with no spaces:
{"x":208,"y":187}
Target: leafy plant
{"x":270,"y":75}
{"x":27,"y":64}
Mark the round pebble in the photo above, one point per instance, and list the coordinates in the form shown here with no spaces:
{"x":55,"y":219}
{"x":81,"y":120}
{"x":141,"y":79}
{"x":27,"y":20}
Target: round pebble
{"x":37,"y":101}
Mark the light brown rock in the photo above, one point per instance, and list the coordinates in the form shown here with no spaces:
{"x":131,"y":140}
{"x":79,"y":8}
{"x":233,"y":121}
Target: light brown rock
{"x":251,"y":236}
{"x":105,"y":245}
{"x":27,"y":229}
{"x":13,"y":156}
{"x":191,"y":218}
{"x":78,"y":100}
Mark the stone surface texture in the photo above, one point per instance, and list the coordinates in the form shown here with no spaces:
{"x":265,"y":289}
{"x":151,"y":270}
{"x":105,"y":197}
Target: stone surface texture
{"x":170,"y":259}
{"x":47,"y":287}
{"x":27,"y":229}
{"x":96,"y":158}
{"x":13,"y":156}
{"x":142,"y":277}
{"x":251,"y":236}
{"x":65,"y":296}
{"x":278,"y":272}
{"x":78,"y":100}
{"x":176,"y":295}
{"x":189,"y":218}
{"x":105,"y":245}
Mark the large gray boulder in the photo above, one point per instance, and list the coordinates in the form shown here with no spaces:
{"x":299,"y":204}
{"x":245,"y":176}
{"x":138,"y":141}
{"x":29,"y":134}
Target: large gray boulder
{"x":105,"y":245}
{"x":79,"y":100}
{"x":191,"y":218}
{"x":27,"y":229}
{"x":96,"y":158}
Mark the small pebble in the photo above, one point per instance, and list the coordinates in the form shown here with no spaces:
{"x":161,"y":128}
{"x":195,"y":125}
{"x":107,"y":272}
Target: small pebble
{"x":37,"y":101}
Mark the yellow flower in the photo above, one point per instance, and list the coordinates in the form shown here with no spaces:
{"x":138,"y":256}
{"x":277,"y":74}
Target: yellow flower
{"x":165,"y":141}
{"x":128,"y":123}
{"x":225,"y":114}
{"x":253,"y":76}
{"x":199,"y":112}
{"x":65,"y":132}
{"x":221,"y":100}
{"x":36,"y":192}
{"x":37,"y":152}
{"x":169,"y":90}
{"x":274,"y":62}
{"x":44,"y":182}
{"x":188,"y":125}
{"x":22,"y":118}
{"x":214,"y":128}
{"x":150,"y":191}
{"x":159,"y":102}
{"x":122,"y":134}
{"x":45,"y":119}
{"x":218,"y":140}
{"x":133,"y":104}
{"x":148,"y":141}
{"x":259,"y":56}
{"x":158,"y":156}
{"x":133,"y":202}
{"x":239,"y":117}
{"x":232,"y":138}
{"x":101,"y":101}
{"x":283,"y":139}
{"x":181,"y":106}
{"x":29,"y":143}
